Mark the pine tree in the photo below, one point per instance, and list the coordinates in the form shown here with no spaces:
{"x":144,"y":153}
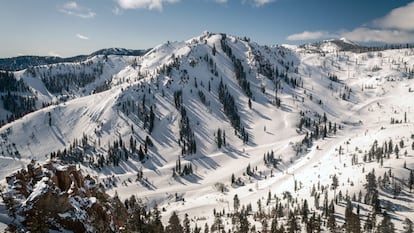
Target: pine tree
{"x":305,"y":211}
{"x":236,"y":203}
{"x":174,"y":225}
{"x":206,"y":228}
{"x":217,"y":225}
{"x":265,"y":226}
{"x":293,"y":225}
{"x":273,"y":226}
{"x":50,"y":119}
{"x":335,"y":182}
{"x":244,"y":223}
{"x":331,"y":222}
{"x":186,"y":224}
{"x":369,"y":224}
{"x":119,"y":210}
{"x":141,"y":155}
{"x":155,"y":225}
{"x":219,"y":139}
{"x":331,"y":217}
{"x":371,"y":185}
{"x":386,"y":226}
{"x":408,"y":226}
{"x":224,"y":137}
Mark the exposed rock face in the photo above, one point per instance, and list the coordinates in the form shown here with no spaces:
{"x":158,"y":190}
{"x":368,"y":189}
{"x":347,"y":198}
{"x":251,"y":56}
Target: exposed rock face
{"x":57,"y":196}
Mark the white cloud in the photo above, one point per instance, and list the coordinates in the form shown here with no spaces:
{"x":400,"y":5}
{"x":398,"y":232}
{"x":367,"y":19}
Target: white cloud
{"x":395,"y":27}
{"x":262,"y":2}
{"x":307,"y":35}
{"x":379,"y":35}
{"x":400,"y":18}
{"x":71,"y":5}
{"x":146,"y":4}
{"x":73,"y":8}
{"x":117,"y":11}
{"x":221,"y":1}
{"x":82,"y":37}
{"x":159,"y":4}
{"x":258,"y":3}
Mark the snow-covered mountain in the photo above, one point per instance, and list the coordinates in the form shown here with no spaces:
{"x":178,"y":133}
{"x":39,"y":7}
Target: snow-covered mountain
{"x":336,"y":45}
{"x":193,"y":126}
{"x":24,"y":62}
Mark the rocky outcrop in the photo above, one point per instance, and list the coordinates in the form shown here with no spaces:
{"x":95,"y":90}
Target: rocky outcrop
{"x":57,"y":196}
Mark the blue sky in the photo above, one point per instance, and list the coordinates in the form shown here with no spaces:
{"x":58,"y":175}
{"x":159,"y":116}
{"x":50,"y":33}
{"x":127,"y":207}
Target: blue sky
{"x":67,"y":28}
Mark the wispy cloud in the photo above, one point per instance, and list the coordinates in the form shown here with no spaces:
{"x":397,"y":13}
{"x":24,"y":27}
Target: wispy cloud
{"x":395,"y":27}
{"x":159,"y":4}
{"x":82,"y":37}
{"x":401,"y":18}
{"x":73,"y":8}
{"x":307,"y":35}
{"x":117,"y":11}
{"x":257,"y":3}
{"x":262,"y":2}
{"x":145,"y":4}
{"x":363,"y":34}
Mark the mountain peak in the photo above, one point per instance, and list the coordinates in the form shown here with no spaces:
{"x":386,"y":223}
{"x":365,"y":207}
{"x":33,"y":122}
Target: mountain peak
{"x":345,"y":40}
{"x":332,"y":45}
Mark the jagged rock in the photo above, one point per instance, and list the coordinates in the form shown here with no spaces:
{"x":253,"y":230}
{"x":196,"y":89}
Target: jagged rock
{"x":57,"y":196}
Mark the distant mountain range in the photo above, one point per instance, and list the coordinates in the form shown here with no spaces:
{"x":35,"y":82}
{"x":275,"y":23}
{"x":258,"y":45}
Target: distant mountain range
{"x":23,"y":62}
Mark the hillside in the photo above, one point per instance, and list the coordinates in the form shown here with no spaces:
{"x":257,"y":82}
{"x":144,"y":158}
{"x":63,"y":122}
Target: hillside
{"x":190,"y":126}
{"x":24,"y":62}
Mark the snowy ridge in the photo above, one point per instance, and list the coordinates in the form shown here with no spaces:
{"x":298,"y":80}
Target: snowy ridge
{"x":24,"y":62}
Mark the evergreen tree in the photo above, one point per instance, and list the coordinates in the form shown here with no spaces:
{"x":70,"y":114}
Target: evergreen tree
{"x":292,"y":223}
{"x":236,"y":203}
{"x":273,"y":226}
{"x":217,"y":225}
{"x":155,"y":224}
{"x":371,"y":186}
{"x":386,"y":226}
{"x":408,"y":226}
{"x":119,"y":210}
{"x":174,"y":225}
{"x":369,"y":223}
{"x":331,"y":217}
{"x":305,"y":211}
{"x":265,"y":226}
{"x":219,"y":139}
{"x":244,"y":222}
{"x":335,"y":182}
{"x":186,"y":224}
{"x":206,"y":228}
